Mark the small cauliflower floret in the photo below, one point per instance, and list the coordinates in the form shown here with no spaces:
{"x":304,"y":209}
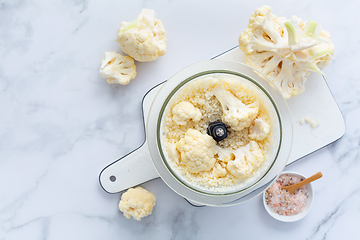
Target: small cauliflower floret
{"x":235,"y":113}
{"x":223,"y":154}
{"x":117,"y":68}
{"x":259,"y":130}
{"x":219,"y":170}
{"x":197,"y":151}
{"x":137,"y":203}
{"x":144,"y":39}
{"x":184,"y":112}
{"x":247,"y":158}
{"x":285,"y":51}
{"x":173,"y":152}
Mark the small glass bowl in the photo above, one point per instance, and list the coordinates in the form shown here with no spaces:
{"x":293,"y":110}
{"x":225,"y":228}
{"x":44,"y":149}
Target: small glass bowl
{"x":296,"y":217}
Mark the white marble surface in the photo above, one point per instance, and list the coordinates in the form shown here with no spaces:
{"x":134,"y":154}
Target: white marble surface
{"x":61,"y":123}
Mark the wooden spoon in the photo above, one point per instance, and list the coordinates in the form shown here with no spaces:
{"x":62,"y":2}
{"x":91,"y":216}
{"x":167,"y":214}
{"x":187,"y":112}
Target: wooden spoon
{"x":292,"y":188}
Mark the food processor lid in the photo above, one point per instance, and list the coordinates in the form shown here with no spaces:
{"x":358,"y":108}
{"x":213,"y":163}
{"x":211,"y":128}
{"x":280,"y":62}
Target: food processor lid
{"x":217,"y":67}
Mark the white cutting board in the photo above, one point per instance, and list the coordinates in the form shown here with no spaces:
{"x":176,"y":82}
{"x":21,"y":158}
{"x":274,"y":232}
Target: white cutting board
{"x":316,"y":102}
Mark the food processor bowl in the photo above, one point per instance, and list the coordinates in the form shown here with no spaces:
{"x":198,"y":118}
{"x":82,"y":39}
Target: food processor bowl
{"x":218,"y":197}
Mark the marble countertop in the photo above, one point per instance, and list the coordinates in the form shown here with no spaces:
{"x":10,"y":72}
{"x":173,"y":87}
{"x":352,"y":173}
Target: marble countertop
{"x":61,"y":123}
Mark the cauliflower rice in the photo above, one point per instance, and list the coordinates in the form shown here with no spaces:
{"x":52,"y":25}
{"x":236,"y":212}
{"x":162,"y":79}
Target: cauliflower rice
{"x":219,"y":178}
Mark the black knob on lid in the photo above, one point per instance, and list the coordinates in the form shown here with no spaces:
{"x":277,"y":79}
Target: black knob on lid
{"x":217,"y":130}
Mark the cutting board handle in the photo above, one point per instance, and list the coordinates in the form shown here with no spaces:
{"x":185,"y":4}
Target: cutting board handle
{"x":131,"y":170}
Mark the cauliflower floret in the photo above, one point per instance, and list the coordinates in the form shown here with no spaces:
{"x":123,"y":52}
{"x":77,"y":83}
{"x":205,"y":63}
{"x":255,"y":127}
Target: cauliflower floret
{"x":259,"y":130}
{"x":197,"y":151}
{"x":173,"y":152}
{"x":224,"y":154}
{"x":247,"y":158}
{"x":137,"y":203}
{"x":219,"y":170}
{"x":117,"y":68}
{"x":144,"y":39}
{"x":235,"y":113}
{"x":184,"y":111}
{"x":286,"y":51}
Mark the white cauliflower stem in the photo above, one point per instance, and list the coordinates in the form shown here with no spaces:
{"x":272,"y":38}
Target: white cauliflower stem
{"x":285,"y":51}
{"x":235,"y":113}
{"x":144,"y":39}
{"x":137,"y":203}
{"x":184,"y":111}
{"x":117,"y":68}
{"x":197,"y":151}
{"x":259,"y":130}
{"x":247,"y":158}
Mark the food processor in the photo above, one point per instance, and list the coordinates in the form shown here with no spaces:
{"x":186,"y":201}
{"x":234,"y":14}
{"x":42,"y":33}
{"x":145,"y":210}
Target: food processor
{"x":149,"y":161}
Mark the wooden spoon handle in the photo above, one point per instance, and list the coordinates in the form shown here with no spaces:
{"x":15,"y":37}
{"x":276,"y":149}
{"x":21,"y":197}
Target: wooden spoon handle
{"x":298,"y":185}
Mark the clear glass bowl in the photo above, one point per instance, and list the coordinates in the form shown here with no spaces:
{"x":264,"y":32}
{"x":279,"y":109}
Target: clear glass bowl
{"x":243,"y":80}
{"x":184,"y":187}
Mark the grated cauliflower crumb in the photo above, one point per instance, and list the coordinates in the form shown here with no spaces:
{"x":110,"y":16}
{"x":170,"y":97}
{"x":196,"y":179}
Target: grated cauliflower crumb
{"x":313,"y":123}
{"x":137,"y":203}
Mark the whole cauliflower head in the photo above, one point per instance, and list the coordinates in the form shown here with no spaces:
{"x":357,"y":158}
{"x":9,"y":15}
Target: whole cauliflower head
{"x":137,"y":203}
{"x":235,"y":113}
{"x":197,"y":151}
{"x":259,"y":130}
{"x":144,"y":39}
{"x":117,"y":68}
{"x":285,"y":51}
{"x":184,"y":112}
{"x":247,"y":158}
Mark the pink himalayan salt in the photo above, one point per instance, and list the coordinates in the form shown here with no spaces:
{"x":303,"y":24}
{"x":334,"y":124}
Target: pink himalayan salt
{"x":283,"y":203}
